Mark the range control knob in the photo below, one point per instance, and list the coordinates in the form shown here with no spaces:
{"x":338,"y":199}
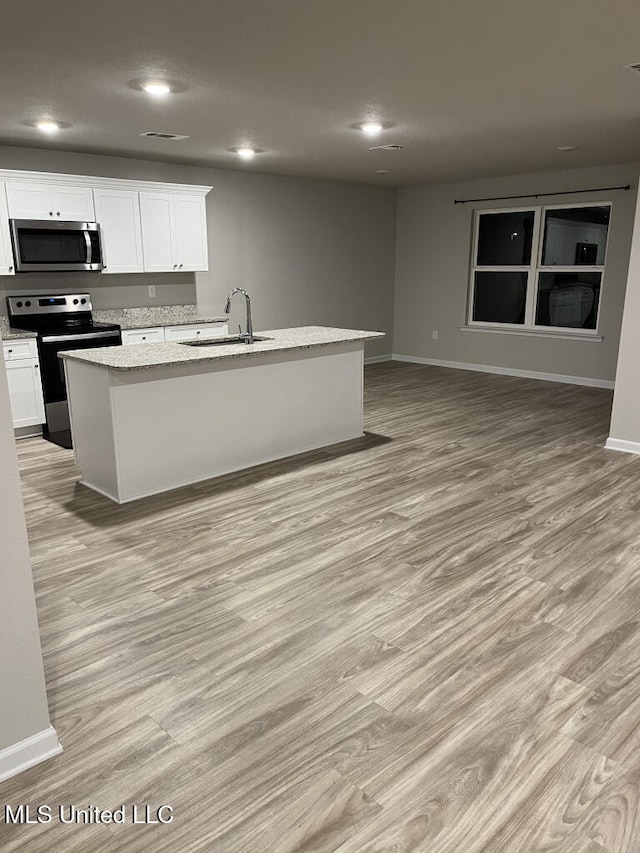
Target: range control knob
{"x":75,"y":301}
{"x":28,"y":303}
{"x":18,"y":304}
{"x":82,"y":301}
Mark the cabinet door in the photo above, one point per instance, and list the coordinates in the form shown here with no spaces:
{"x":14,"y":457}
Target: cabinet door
{"x":143,"y":336}
{"x":72,"y":203}
{"x":6,"y":255}
{"x":192,"y":333}
{"x":28,"y":201}
{"x":191,"y":232}
{"x":118,"y":213}
{"x":25,"y":393}
{"x":158,"y":232}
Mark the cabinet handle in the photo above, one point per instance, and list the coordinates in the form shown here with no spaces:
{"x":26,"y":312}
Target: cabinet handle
{"x":144,"y":337}
{"x":175,"y":266}
{"x":198,"y":332}
{"x":10,"y":351}
{"x":57,"y":213}
{"x":10,"y":269}
{"x":36,"y":366}
{"x":181,"y":265}
{"x":51,"y":213}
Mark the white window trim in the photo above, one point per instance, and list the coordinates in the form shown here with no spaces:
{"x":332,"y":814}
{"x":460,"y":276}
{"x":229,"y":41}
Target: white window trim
{"x":529,"y":327}
{"x":564,"y":332}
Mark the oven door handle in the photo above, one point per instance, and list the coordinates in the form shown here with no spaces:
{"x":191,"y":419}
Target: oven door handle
{"x":87,"y":240}
{"x":85,"y":336}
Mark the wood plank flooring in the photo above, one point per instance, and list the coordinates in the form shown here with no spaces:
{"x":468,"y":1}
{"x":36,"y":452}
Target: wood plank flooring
{"x":424,"y":640}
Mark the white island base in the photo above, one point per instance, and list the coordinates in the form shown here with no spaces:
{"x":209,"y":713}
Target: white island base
{"x":140,"y":432}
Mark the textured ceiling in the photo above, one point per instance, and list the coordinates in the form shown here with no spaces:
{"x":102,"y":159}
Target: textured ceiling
{"x":471,"y":88}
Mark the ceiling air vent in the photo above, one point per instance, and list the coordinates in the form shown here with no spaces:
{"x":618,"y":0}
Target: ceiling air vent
{"x":157,"y":134}
{"x":635,"y":66}
{"x":386,"y":147}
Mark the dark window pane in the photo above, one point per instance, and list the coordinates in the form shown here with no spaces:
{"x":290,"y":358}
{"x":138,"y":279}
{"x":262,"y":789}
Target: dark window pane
{"x":500,"y":297}
{"x":568,"y":299}
{"x":575,"y":236}
{"x":504,"y":239}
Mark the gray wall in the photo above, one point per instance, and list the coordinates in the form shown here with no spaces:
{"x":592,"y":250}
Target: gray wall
{"x":432,"y":274}
{"x":23,"y":702}
{"x":308,"y":251}
{"x":625,"y":417}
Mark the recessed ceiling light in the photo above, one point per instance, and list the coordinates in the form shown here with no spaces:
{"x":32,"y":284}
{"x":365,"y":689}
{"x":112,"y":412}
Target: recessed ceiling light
{"x":371,"y":128}
{"x":48,"y":126}
{"x":155,"y":88}
{"x":382,"y":171}
{"x":566,"y":148}
{"x":245,"y":153}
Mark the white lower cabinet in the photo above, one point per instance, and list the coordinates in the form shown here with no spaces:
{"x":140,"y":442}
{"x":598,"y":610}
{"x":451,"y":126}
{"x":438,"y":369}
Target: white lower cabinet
{"x":143,"y":336}
{"x":174,"y":334}
{"x":192,"y":333}
{"x":25,"y":385}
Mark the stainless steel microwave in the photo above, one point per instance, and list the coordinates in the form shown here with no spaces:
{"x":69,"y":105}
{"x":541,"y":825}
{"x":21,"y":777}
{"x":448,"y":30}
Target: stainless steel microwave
{"x":42,"y":246}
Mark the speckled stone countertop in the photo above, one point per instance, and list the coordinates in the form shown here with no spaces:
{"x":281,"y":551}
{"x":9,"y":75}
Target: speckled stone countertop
{"x":148,"y":356}
{"x":157,"y":315}
{"x":7,"y":333}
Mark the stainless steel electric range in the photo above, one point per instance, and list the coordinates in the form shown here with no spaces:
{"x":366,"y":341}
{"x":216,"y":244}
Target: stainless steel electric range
{"x":63,"y":322}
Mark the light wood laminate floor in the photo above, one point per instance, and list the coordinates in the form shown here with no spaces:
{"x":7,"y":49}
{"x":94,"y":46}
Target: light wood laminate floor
{"x":424,"y":640}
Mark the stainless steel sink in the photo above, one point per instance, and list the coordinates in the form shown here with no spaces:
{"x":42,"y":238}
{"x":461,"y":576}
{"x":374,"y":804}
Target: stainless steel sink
{"x":221,"y":342}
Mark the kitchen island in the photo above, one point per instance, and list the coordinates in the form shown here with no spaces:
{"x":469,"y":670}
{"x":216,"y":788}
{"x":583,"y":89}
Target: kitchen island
{"x":152,"y":417}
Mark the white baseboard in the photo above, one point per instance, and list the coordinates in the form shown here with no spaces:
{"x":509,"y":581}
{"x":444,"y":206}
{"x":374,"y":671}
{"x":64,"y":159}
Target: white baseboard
{"x":374,"y":359}
{"x":623,"y":445}
{"x":29,"y":752}
{"x":508,"y":371}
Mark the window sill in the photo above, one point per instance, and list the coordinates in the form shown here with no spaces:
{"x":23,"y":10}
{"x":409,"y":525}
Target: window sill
{"x":590,"y":337}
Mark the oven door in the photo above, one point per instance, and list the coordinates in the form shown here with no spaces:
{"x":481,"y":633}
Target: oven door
{"x":56,"y":246}
{"x":52,"y":371}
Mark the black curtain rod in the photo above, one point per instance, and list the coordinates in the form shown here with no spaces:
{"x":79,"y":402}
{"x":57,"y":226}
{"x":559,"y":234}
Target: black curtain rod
{"x":626,"y":188}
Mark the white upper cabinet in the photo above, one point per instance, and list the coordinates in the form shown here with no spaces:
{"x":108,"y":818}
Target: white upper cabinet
{"x":158,"y":232}
{"x":118,"y":214}
{"x":28,"y":201}
{"x":72,"y":203}
{"x":6,"y":256}
{"x":174,"y":232}
{"x":146,"y":226}
{"x":39,"y":200}
{"x":191,"y":232}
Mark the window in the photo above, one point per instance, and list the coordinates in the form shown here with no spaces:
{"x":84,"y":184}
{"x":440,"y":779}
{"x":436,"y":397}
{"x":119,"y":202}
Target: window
{"x":539,"y":268}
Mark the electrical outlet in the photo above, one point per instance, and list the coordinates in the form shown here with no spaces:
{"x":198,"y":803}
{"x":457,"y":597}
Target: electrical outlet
{"x":152,"y":291}
{"x":434,"y":335}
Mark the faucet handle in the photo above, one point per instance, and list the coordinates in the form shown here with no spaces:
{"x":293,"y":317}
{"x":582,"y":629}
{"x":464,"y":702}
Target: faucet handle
{"x":239,"y":330}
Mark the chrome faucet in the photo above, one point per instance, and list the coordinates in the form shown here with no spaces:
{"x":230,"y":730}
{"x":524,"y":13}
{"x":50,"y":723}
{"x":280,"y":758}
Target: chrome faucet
{"x":248,"y":335}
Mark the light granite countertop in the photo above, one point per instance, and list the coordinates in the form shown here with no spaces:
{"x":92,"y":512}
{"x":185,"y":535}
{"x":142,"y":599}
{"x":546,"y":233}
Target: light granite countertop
{"x":157,"y":315}
{"x":7,"y":333}
{"x":148,"y":356}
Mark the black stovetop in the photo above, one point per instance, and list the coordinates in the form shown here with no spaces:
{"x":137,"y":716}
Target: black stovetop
{"x":76,"y":324}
